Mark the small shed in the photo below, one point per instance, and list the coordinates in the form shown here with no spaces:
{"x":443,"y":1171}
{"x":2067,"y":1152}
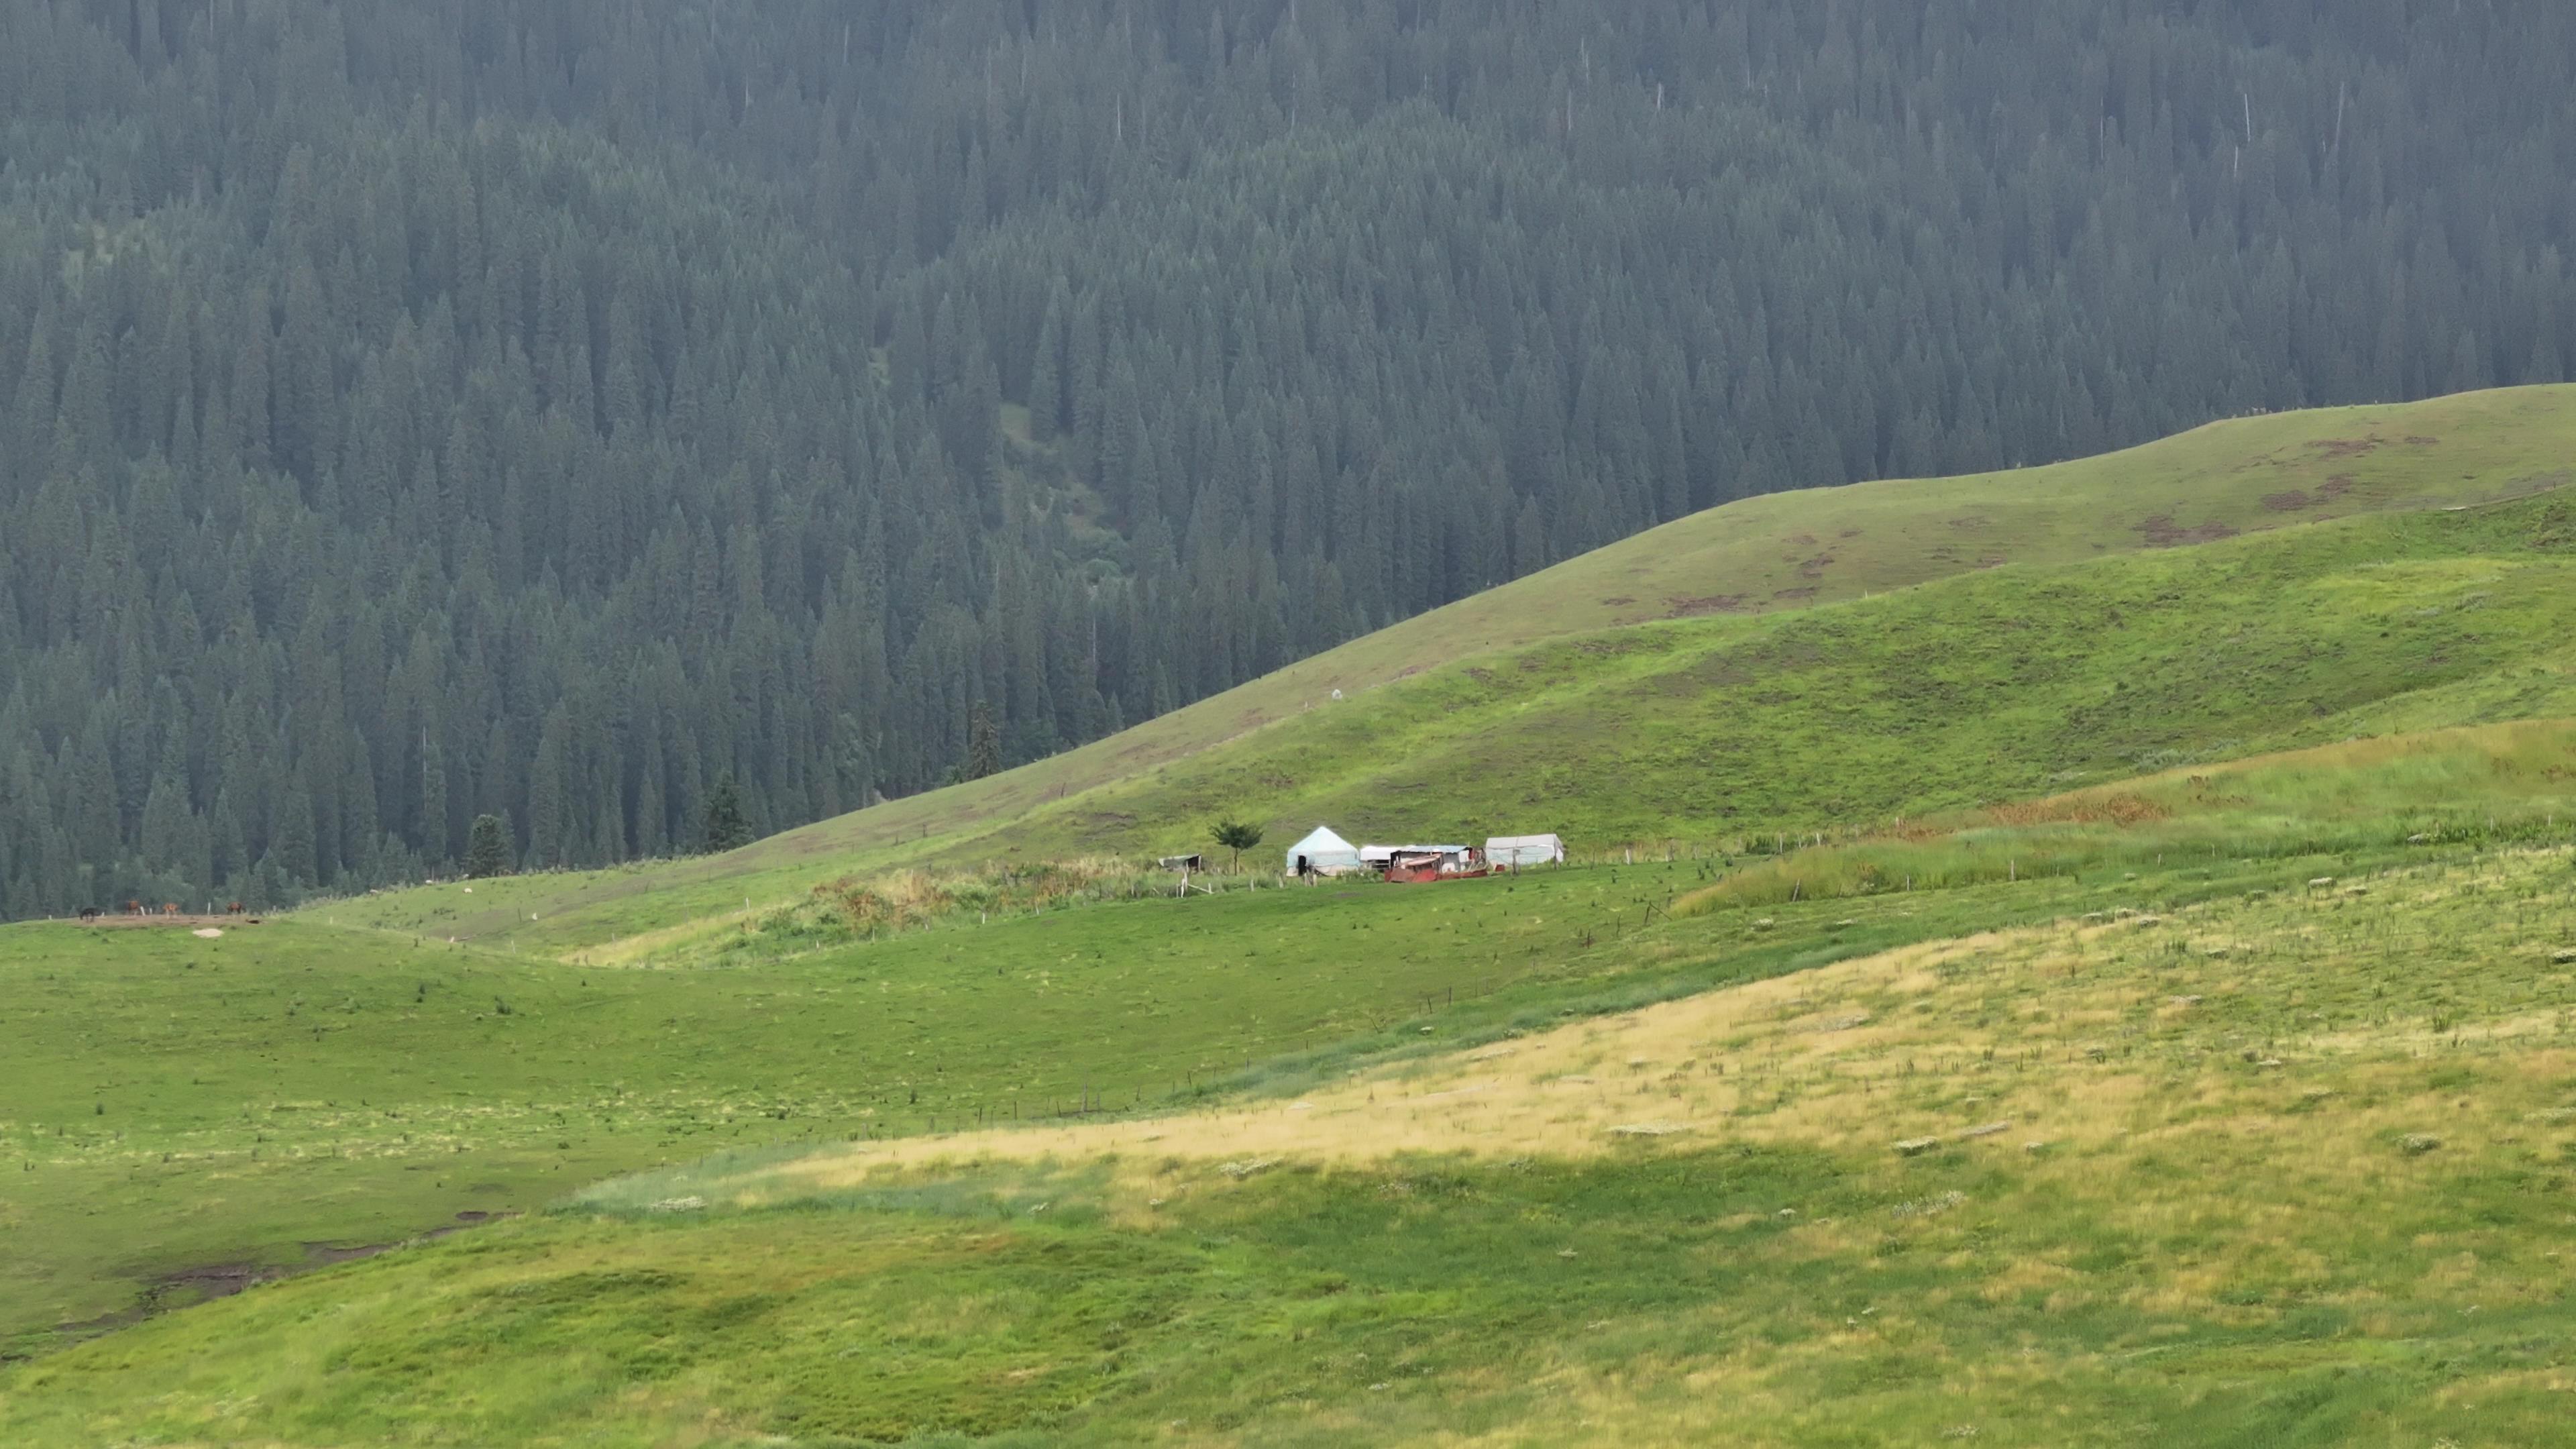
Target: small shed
{"x":1510,"y":852}
{"x":1324,"y":853}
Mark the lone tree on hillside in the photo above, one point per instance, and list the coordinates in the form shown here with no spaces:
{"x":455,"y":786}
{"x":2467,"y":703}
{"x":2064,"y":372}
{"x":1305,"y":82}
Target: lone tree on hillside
{"x":1238,"y":837}
{"x":726,"y":827}
{"x":487,"y":847}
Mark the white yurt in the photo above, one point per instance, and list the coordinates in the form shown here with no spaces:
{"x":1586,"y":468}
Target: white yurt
{"x":1324,"y":852}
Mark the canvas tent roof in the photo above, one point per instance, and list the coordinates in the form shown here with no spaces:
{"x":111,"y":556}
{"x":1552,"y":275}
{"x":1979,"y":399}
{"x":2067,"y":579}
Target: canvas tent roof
{"x":1325,"y":850}
{"x":1524,"y":849}
{"x":1381,"y":854}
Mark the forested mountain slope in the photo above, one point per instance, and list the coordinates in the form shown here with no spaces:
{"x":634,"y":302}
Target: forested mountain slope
{"x":409,"y":411}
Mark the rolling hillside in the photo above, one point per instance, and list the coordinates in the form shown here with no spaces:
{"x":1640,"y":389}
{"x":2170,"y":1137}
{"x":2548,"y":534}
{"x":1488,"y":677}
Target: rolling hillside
{"x":2130,"y":1001}
{"x":2253,"y":1145}
{"x":1706,"y":726}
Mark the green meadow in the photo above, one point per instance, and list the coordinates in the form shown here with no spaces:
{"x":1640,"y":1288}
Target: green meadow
{"x":2287,"y":1167}
{"x":2484,"y":785}
{"x":289,"y":1091}
{"x":273,"y":1098}
{"x":184,"y":1114}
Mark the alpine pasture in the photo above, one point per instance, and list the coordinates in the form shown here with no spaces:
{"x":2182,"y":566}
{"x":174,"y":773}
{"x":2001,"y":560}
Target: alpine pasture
{"x":2115,"y":983}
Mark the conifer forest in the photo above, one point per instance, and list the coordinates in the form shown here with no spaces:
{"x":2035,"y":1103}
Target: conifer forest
{"x":567,"y":411}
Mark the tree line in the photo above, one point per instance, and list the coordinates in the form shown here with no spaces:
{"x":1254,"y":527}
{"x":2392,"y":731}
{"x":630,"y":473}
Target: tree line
{"x":417,"y":412}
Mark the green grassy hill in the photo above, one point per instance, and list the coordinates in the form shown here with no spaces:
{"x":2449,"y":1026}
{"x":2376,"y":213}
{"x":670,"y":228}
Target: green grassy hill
{"x":286,"y":1092}
{"x":2016,"y":1048}
{"x":1917,"y":670}
{"x":2233,"y":1135}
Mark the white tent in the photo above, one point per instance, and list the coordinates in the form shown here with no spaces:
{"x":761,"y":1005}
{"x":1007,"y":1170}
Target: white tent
{"x":1376,"y":856}
{"x":1324,"y":852}
{"x":1504,"y":851}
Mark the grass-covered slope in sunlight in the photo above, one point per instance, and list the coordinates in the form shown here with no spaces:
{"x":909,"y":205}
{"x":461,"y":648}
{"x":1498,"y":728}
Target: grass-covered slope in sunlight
{"x":2274,"y":1168}
{"x":190,"y":1113}
{"x":2003,"y":683}
{"x":183,"y":1114}
{"x":2486,"y":785}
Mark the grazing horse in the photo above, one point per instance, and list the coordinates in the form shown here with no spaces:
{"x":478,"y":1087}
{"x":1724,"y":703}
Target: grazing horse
{"x":91,"y":913}
{"x":234,"y":909}
{"x":169,"y":908}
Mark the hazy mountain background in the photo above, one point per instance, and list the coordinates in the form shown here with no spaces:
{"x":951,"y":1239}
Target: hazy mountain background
{"x":416,"y":410}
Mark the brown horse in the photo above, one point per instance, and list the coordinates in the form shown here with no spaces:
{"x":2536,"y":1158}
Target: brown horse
{"x":134,"y":908}
{"x":234,"y":909}
{"x":169,"y":908}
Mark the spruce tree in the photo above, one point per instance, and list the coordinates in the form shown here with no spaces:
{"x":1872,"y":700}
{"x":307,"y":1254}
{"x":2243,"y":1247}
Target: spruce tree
{"x":487,"y":848}
{"x":983,"y":743}
{"x":726,"y":827}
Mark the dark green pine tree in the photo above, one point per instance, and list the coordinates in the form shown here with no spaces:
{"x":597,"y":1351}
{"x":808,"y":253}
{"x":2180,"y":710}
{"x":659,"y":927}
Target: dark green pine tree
{"x":983,"y":743}
{"x":487,"y":848}
{"x":726,"y":827}
{"x":1046,"y":370}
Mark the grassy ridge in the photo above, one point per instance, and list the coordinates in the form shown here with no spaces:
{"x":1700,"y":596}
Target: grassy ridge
{"x":2001,"y":684}
{"x":1977,"y":689}
{"x":2263,"y":1170}
{"x":1779,"y":552}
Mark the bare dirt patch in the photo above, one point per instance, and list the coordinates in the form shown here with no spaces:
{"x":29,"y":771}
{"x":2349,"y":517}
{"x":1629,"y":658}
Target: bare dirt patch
{"x":205,"y":1283}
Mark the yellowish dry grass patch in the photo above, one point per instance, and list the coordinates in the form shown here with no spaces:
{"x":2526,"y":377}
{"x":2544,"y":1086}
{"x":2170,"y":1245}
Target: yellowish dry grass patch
{"x":2049,"y":1042}
{"x":2219,"y":1081}
{"x":687,"y":940}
